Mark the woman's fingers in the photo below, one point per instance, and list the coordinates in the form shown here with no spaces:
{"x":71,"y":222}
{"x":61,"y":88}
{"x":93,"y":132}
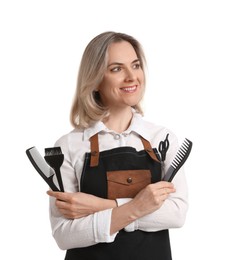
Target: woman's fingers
{"x":79,"y":204}
{"x":64,"y":196}
{"x":152,"y":197}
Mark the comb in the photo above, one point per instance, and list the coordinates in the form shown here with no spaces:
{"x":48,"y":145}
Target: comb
{"x":179,"y":160}
{"x":46,"y":172}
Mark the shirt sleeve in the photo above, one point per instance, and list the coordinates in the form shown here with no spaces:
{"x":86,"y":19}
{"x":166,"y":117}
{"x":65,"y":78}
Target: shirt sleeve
{"x":81,"y":232}
{"x":172,"y":214}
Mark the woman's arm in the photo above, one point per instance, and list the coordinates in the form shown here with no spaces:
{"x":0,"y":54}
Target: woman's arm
{"x":147,"y":201}
{"x":87,"y":230}
{"x":80,"y":205}
{"x":80,"y":219}
{"x":171,"y":214}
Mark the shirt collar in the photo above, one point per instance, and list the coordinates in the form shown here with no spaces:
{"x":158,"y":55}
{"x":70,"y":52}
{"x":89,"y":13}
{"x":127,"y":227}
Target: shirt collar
{"x":94,"y":129}
{"x":137,"y":125}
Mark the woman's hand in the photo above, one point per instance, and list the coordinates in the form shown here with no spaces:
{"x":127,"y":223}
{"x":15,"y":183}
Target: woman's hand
{"x":151,"y":198}
{"x":145,"y":202}
{"x":79,"y":204}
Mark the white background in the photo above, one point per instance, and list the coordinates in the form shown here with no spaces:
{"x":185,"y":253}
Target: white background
{"x":40,"y":49}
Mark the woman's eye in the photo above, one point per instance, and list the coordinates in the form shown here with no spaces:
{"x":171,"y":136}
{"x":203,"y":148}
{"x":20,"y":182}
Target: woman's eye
{"x":115,"y":69}
{"x":136,"y":66}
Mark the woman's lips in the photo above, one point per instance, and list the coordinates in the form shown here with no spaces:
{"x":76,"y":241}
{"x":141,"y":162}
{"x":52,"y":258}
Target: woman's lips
{"x":130,"y":89}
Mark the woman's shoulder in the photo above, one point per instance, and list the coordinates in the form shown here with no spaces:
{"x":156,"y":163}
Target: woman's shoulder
{"x":154,"y":131}
{"x":75,"y":135}
{"x":149,"y":126}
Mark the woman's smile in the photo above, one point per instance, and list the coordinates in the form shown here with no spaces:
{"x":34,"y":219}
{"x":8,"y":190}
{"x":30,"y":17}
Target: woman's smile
{"x":129,"y":89}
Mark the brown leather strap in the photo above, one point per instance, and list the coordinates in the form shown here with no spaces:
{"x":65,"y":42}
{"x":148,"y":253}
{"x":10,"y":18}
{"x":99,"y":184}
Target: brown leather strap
{"x":94,"y":151}
{"x":148,"y":149}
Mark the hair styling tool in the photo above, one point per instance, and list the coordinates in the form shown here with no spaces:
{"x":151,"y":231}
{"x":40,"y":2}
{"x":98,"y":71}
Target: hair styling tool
{"x":178,"y":160}
{"x":157,"y":154}
{"x":42,"y":167}
{"x":163,"y":148}
{"x":54,"y":157}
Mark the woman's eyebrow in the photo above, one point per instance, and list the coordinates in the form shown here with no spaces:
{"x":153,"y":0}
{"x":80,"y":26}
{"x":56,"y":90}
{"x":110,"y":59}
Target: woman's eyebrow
{"x":119,"y":63}
{"x":115,"y":63}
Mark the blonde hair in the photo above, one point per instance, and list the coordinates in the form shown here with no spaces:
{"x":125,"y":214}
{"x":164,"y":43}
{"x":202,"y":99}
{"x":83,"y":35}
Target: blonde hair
{"x":87,"y":107}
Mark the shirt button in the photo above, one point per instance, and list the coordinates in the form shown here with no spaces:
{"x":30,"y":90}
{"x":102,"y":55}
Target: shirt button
{"x":117,"y":137}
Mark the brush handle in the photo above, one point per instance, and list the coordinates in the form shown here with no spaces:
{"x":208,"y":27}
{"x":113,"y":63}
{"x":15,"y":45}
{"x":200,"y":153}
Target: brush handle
{"x":58,"y":175}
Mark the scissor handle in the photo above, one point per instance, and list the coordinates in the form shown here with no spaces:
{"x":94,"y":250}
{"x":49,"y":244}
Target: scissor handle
{"x":163,"y":147}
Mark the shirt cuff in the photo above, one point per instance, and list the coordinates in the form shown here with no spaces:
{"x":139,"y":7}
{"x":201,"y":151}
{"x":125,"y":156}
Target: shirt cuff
{"x":101,"y":227}
{"x":132,"y":226}
{"x":122,"y":201}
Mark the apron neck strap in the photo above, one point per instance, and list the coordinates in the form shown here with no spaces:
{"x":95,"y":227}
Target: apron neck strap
{"x":148,"y":149}
{"x":95,"y":150}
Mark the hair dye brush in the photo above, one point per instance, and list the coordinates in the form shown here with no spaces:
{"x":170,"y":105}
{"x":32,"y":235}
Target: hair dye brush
{"x":46,"y":172}
{"x":54,"y":157}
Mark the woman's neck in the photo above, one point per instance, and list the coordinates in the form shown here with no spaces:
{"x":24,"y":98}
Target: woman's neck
{"x":118,"y":121}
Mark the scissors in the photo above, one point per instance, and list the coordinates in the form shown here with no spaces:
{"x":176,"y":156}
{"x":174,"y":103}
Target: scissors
{"x":163,"y":148}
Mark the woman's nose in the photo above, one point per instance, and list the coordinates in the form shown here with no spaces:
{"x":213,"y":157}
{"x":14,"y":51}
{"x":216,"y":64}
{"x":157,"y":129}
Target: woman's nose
{"x":129,"y":75}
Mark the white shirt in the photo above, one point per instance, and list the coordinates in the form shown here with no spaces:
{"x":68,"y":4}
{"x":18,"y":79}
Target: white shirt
{"x":95,"y":228}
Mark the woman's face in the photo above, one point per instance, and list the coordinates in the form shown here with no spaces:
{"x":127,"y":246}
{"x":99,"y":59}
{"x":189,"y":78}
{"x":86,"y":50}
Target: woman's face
{"x":123,"y":82}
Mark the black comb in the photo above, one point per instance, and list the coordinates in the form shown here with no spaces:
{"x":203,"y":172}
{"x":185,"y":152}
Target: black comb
{"x":178,"y":160}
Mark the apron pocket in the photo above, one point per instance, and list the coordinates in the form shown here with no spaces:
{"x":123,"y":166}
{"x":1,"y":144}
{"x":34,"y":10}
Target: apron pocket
{"x":126,"y":183}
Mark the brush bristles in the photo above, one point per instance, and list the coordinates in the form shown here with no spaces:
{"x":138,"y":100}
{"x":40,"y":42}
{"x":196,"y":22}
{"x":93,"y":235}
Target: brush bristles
{"x":181,"y":153}
{"x":53,"y":151}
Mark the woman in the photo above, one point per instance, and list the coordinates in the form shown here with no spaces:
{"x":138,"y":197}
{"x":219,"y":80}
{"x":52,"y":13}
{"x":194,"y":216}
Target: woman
{"x":96,"y":218}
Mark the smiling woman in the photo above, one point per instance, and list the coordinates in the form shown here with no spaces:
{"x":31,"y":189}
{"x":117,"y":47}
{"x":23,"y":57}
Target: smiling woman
{"x":123,"y":82}
{"x":95,"y":63}
{"x":115,"y":204}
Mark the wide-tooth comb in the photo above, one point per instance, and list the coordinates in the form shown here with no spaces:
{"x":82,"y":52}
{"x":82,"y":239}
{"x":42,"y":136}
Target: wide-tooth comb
{"x":54,"y":157}
{"x":178,"y":160}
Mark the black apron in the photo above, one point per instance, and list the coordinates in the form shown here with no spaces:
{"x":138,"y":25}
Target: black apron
{"x":137,"y":245}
